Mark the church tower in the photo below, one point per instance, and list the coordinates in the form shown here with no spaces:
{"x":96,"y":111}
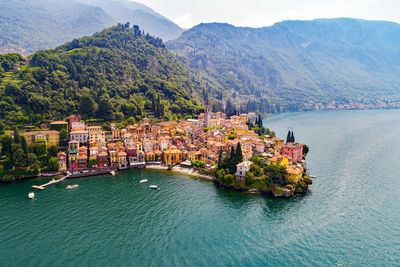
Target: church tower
{"x":207,"y":116}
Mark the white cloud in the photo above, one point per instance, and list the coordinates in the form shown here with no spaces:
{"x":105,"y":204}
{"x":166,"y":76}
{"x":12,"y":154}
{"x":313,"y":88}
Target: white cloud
{"x":185,"y":21}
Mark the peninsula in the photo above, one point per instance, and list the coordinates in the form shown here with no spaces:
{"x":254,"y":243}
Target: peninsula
{"x":236,"y":153}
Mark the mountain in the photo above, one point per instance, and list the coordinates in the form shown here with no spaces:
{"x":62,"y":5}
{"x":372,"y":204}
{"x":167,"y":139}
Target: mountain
{"x":117,"y":74}
{"x":299,"y":61}
{"x":30,"y":25}
{"x":139,"y":14}
{"x":27,"y":26}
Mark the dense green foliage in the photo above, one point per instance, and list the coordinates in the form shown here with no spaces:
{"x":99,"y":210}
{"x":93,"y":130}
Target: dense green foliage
{"x":17,"y":161}
{"x":116,"y":74}
{"x":291,"y":63}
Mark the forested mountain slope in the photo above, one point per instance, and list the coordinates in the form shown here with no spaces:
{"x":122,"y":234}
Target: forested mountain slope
{"x":116,"y":74}
{"x":300,"y":61}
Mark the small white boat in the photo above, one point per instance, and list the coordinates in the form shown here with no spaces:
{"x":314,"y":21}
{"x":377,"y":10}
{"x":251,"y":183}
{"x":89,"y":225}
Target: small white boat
{"x":313,"y":176}
{"x":143,"y":181}
{"x":71,"y":186}
{"x":153,"y":186}
{"x":31,"y":195}
{"x":113,"y":173}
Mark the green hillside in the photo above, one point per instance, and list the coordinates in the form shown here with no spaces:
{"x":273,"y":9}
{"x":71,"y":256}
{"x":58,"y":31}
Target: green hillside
{"x":299,"y":61}
{"x":117,"y":74}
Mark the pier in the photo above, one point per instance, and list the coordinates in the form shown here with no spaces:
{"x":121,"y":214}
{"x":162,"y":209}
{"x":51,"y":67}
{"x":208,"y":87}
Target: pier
{"x":53,"y":181}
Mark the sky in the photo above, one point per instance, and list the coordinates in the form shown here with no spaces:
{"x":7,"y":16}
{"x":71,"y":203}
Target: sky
{"x":258,"y":13}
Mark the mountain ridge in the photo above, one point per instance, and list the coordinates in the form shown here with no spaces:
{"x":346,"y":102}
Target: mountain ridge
{"x":296,"y":59}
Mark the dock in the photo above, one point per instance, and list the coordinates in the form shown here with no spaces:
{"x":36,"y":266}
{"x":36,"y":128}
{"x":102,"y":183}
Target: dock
{"x":43,"y":186}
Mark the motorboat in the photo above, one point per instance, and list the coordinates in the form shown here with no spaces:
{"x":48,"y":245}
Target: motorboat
{"x":143,"y":181}
{"x":313,"y":176}
{"x":153,"y":186}
{"x":31,"y":195}
{"x":71,"y":186}
{"x":113,"y":173}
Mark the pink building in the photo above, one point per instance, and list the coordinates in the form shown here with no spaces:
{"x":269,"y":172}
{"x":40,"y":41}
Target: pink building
{"x":293,"y":151}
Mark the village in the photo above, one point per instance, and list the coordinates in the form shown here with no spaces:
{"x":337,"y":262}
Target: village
{"x":193,"y":142}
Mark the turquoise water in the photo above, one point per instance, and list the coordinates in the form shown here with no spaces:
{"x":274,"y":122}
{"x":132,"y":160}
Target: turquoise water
{"x":351,"y":216}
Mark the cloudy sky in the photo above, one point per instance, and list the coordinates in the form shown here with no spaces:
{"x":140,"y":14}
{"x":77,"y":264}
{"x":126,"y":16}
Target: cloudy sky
{"x":257,"y":13}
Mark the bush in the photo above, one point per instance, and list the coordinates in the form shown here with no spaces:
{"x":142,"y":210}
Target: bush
{"x":307,"y":180}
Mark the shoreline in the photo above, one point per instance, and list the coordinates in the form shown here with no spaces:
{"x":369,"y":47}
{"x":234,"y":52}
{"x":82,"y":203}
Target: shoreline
{"x":181,"y":170}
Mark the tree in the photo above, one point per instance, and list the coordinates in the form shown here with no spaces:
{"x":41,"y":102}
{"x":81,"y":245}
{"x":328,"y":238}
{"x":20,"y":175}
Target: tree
{"x":93,"y":162}
{"x":19,"y":159}
{"x":238,"y":154}
{"x":277,"y":174}
{"x":17,"y":138}
{"x":288,"y":137}
{"x":105,"y":110}
{"x":87,"y":106}
{"x":305,"y":150}
{"x":292,"y":138}
{"x":219,"y":159}
{"x":2,"y":127}
{"x":40,"y":149}
{"x":63,"y":136}
{"x":24,"y":145}
{"x":6,"y":142}
{"x":52,"y":151}
{"x":260,"y":122}
{"x":53,"y":164}
{"x":31,"y":159}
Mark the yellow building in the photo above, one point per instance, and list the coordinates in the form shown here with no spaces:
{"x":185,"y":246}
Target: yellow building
{"x":172,"y":156}
{"x":294,"y":173}
{"x":279,"y":161}
{"x":150,"y":156}
{"x":51,"y":138}
{"x":114,"y":161}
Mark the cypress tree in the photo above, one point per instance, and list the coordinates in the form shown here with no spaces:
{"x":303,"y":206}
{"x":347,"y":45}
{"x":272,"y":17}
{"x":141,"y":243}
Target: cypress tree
{"x":219,"y":159}
{"x":17,"y":138}
{"x":260,"y":123}
{"x":288,"y":137}
{"x":232,"y":156}
{"x":292,"y":138}
{"x":238,"y":154}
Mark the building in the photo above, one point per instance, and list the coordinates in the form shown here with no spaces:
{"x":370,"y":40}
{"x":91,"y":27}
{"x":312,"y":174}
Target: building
{"x":73,"y":147}
{"x":241,"y":170}
{"x":294,"y":173}
{"x":62,"y":161}
{"x":79,"y":135}
{"x":116,"y":132}
{"x":102,"y":158}
{"x":293,"y":151}
{"x":122,"y":160}
{"x":114,"y":161}
{"x":74,"y":119}
{"x":279,"y":160}
{"x":96,"y":135}
{"x":172,"y":156}
{"x":50,"y":138}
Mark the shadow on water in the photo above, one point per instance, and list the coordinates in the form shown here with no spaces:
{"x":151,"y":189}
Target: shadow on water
{"x":269,"y":203}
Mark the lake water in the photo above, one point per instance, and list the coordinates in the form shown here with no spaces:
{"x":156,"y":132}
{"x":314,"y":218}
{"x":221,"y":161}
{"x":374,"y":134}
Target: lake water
{"x":351,"y":216}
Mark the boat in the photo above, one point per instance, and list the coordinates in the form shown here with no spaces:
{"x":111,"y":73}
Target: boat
{"x":153,"y":186}
{"x":31,"y":195}
{"x":113,"y":173}
{"x":313,"y":176}
{"x":71,"y":186}
{"x":143,"y":181}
